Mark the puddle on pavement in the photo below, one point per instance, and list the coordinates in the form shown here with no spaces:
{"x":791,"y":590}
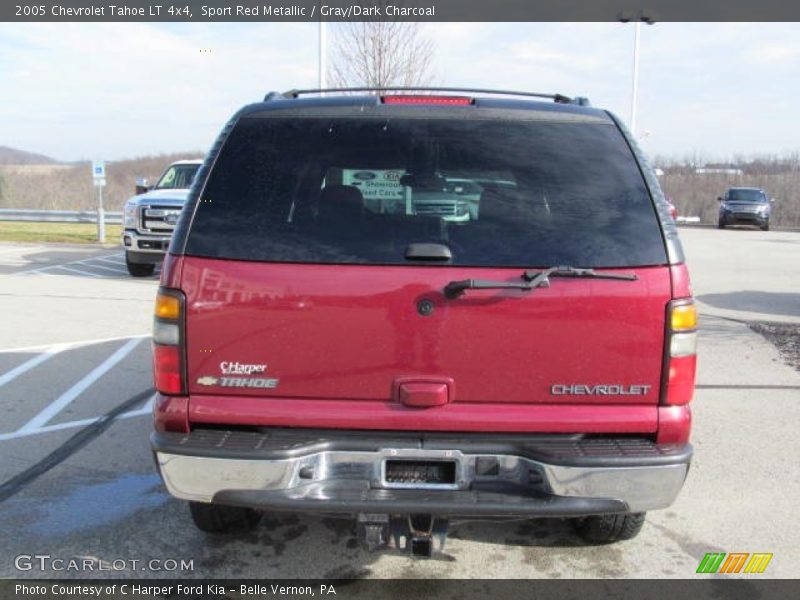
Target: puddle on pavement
{"x":83,"y":506}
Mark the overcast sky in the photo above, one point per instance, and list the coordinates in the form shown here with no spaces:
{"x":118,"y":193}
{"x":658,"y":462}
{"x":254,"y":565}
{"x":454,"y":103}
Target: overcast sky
{"x":115,"y":90}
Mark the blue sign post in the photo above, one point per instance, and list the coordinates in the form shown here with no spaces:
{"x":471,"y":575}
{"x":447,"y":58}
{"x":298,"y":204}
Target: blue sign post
{"x":99,"y":178}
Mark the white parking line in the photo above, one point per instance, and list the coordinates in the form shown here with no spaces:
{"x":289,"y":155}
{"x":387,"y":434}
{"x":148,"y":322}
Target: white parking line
{"x":139,"y":412}
{"x":63,"y":265}
{"x":91,"y":258}
{"x":74,"y":270}
{"x":29,"y":364}
{"x":112,"y":262}
{"x":104,"y":267}
{"x":78,"y":344}
{"x":76,"y":390}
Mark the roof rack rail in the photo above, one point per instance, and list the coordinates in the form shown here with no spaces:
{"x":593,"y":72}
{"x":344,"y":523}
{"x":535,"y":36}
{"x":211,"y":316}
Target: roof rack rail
{"x":558,"y":98}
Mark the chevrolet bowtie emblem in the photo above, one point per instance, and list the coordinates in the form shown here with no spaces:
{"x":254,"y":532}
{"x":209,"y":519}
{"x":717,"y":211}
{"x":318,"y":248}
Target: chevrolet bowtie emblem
{"x":207,"y":380}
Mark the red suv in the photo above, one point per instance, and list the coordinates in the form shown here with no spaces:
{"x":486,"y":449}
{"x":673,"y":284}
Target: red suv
{"x":339,"y":329}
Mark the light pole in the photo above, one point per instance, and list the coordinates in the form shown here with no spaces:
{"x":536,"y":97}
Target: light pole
{"x":322,"y":79}
{"x":635,"y":82}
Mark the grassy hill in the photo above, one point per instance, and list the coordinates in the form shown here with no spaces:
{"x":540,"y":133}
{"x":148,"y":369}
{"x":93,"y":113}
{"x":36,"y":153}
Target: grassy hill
{"x":69,"y":186}
{"x":13,"y":156}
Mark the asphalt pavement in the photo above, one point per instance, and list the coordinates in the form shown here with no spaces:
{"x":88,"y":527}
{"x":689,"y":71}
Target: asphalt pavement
{"x":77,"y":479}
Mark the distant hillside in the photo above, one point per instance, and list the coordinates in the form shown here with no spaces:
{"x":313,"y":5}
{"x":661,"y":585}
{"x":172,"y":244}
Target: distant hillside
{"x":13,"y":156}
{"x":69,"y":186}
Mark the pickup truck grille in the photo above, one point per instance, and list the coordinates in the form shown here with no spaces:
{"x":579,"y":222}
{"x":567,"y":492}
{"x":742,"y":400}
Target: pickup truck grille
{"x":158,"y":219}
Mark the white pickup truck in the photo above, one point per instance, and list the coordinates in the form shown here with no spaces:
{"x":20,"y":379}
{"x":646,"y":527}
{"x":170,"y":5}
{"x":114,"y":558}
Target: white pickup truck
{"x":150,"y":216}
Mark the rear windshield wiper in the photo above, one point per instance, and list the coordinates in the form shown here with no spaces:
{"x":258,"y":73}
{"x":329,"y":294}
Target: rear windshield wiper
{"x":455,"y":288}
{"x":542,"y":278}
{"x":532,"y":280}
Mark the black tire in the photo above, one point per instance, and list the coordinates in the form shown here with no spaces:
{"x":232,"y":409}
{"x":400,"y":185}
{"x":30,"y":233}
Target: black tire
{"x":214,"y":518}
{"x":765,"y":226}
{"x":721,"y":224}
{"x":604,"y":529}
{"x":139,"y":269}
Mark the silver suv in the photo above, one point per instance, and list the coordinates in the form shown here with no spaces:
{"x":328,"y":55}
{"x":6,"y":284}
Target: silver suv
{"x":745,"y":206}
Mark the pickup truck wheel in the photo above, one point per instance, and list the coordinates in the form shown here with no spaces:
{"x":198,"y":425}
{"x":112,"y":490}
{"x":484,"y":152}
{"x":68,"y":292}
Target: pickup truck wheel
{"x":139,"y":269}
{"x":214,"y":518}
{"x":603,"y":529}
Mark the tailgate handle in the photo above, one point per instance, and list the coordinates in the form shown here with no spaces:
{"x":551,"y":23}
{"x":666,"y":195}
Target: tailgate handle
{"x":422,"y":393}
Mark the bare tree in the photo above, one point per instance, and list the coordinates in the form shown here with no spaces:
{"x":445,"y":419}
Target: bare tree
{"x":380,"y":54}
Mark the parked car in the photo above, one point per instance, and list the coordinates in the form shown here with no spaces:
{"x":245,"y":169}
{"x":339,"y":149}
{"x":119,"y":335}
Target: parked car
{"x":745,"y":206}
{"x":149,"y":217}
{"x":673,"y":210}
{"x":314,"y":355}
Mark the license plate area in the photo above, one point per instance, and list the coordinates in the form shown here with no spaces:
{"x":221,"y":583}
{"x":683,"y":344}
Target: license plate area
{"x":419,"y":473}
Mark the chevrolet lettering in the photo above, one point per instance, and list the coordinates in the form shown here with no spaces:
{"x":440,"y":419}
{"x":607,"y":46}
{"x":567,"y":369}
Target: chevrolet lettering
{"x":599,"y":390}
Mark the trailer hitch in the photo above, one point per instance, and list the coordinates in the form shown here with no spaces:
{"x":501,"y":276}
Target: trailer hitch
{"x":421,"y":535}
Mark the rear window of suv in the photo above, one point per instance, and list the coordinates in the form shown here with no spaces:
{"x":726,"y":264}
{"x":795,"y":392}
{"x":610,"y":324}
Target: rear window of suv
{"x":519,"y":193}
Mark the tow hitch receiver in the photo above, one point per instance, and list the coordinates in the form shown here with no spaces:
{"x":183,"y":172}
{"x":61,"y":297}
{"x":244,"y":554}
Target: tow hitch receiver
{"x":420,"y":535}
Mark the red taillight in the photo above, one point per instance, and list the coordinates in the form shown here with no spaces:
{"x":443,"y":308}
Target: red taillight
{"x":167,"y":369}
{"x":438,"y":100}
{"x":681,"y":348}
{"x":168,"y":342}
{"x":680,"y":380}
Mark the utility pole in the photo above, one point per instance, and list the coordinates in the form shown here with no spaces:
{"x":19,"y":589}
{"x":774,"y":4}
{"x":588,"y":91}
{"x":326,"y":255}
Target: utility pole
{"x":322,"y":79}
{"x":635,"y":80}
{"x":635,"y":85}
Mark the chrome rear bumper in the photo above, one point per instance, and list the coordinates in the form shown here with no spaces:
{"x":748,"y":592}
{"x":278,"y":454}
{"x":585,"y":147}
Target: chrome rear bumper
{"x":484,"y":483}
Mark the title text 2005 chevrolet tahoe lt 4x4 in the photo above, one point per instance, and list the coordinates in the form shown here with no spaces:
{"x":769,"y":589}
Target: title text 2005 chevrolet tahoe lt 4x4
{"x":318,"y":351}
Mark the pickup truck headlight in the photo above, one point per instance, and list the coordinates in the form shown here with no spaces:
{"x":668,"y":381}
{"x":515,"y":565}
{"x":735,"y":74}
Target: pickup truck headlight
{"x":129,"y":215}
{"x":462,"y":208}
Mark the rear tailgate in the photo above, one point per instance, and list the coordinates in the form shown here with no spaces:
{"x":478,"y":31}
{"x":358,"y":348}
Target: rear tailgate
{"x":349,"y":336}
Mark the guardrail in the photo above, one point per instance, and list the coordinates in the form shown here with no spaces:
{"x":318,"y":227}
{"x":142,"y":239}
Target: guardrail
{"x":57,"y":216}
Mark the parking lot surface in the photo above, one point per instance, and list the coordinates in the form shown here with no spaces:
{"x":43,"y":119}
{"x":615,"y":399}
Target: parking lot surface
{"x":77,"y":478}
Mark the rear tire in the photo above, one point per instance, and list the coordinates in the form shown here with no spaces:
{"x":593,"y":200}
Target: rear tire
{"x":215,"y":518}
{"x":604,"y":529}
{"x":139,"y":269}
